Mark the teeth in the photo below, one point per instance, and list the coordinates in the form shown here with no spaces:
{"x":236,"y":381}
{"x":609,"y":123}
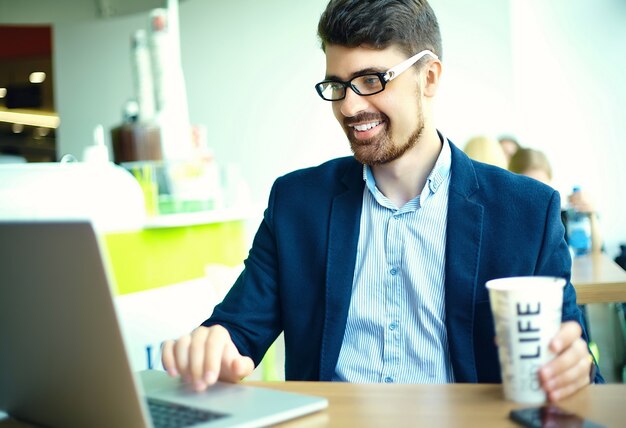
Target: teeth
{"x":366,"y":126}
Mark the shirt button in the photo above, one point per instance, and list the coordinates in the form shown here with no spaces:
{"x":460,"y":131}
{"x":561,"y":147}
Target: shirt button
{"x":388,"y":380}
{"x":393,"y":326}
{"x":393,"y":271}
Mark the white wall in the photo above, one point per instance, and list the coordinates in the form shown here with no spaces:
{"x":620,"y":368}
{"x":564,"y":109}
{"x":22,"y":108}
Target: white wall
{"x":476,"y":96}
{"x":569,"y":61}
{"x":250,"y":68}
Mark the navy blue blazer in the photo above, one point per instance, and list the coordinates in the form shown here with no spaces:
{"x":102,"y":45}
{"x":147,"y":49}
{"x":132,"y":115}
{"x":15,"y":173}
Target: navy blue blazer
{"x":298,"y":275}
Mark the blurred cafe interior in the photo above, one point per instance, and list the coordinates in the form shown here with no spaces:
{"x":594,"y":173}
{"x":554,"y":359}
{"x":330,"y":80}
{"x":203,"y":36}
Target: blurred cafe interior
{"x":165,"y":123}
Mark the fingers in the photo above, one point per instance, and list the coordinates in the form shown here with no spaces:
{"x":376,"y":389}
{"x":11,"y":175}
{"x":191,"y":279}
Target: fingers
{"x":569,"y":381}
{"x":182,"y":356}
{"x":205,"y":356}
{"x":569,"y":370}
{"x":235,"y":366}
{"x":167,"y":358}
{"x":214,"y":350}
{"x":567,"y":367}
{"x":197,"y":356}
{"x":174,"y":358}
{"x":223,"y":361}
{"x":569,"y":332}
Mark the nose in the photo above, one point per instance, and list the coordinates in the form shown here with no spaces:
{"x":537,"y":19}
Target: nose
{"x":352,"y":103}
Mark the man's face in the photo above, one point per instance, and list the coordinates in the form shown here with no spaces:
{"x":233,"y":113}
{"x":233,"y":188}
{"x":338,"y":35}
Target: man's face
{"x":380,"y":127}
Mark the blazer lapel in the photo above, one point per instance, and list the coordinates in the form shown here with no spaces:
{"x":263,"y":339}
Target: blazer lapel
{"x":464,"y":234}
{"x":343,"y":236}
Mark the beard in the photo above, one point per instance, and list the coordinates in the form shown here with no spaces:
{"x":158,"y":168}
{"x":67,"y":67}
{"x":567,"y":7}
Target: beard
{"x":381,"y":149}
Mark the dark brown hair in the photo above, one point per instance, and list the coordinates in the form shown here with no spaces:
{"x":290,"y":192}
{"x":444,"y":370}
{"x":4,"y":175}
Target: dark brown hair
{"x":410,"y":24}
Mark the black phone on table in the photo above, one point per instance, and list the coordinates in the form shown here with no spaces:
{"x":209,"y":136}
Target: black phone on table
{"x":550,"y":416}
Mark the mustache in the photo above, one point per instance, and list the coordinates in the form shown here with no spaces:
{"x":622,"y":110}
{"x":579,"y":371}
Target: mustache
{"x":365,"y":117}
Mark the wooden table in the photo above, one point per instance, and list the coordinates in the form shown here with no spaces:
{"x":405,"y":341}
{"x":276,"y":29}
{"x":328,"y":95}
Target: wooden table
{"x":441,"y":406}
{"x":598,"y":279}
{"x":455,"y":405}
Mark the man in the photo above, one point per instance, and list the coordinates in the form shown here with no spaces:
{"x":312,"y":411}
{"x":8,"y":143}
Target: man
{"x":374,"y":265}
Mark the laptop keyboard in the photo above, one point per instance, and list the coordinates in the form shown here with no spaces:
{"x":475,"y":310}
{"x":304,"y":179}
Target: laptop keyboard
{"x":171,"y":415}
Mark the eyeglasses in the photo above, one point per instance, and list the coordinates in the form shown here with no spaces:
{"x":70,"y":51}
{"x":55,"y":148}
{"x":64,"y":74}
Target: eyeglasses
{"x":368,"y":83}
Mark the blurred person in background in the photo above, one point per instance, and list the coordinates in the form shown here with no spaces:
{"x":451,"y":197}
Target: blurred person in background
{"x":535,"y":164}
{"x":509,"y":145}
{"x":486,"y":150}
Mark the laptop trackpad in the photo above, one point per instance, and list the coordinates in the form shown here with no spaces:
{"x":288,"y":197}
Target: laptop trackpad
{"x":238,"y":401}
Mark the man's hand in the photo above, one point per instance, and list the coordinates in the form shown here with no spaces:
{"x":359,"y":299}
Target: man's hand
{"x":204,"y":356}
{"x":570,"y":369}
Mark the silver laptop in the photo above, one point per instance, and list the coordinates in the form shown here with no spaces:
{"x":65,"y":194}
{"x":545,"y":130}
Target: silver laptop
{"x":62,"y":357}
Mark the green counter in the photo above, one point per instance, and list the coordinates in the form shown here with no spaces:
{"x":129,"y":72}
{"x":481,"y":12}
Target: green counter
{"x":160,"y":256}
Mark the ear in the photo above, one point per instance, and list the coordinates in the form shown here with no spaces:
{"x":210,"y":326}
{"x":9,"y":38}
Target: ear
{"x":432,"y":74}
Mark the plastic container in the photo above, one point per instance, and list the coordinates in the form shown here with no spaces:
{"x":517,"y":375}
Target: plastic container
{"x":578,"y":230}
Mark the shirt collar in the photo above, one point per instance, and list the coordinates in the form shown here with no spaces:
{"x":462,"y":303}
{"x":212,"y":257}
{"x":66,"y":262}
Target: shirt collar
{"x":441,"y":170}
{"x":437,"y":176}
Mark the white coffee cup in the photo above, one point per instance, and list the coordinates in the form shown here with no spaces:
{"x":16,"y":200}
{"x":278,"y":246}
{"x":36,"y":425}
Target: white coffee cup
{"x":527,"y":316}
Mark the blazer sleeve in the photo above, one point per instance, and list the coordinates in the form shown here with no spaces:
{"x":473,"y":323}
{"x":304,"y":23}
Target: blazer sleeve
{"x":555,"y":257}
{"x":251,"y":310}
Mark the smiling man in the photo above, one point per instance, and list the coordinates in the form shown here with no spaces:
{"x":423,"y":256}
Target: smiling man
{"x":374,"y":266}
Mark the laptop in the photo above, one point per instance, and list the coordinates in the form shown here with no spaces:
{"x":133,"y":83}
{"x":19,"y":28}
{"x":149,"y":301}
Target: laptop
{"x":63,"y":362}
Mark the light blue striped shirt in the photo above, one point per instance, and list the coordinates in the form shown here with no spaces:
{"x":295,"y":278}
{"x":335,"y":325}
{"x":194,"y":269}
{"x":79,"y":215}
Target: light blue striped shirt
{"x":396,"y":330}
